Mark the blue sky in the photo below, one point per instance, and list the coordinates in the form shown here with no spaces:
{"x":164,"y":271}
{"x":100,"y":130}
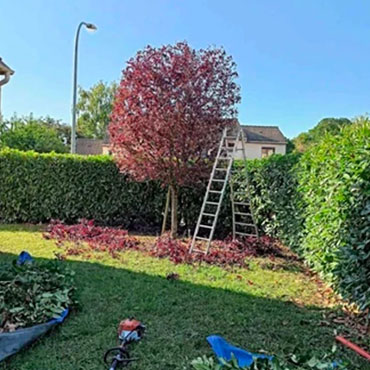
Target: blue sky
{"x":298,"y":60}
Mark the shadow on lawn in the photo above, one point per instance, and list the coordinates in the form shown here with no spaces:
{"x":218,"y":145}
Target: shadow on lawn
{"x":179,"y":315}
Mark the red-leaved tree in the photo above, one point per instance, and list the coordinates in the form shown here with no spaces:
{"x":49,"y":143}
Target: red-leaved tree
{"x":169,"y":111}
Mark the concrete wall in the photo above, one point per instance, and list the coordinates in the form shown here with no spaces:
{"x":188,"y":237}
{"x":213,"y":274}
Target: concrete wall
{"x":254,"y":150}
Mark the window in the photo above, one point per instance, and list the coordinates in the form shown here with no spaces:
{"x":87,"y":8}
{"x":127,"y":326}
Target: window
{"x":267,"y":151}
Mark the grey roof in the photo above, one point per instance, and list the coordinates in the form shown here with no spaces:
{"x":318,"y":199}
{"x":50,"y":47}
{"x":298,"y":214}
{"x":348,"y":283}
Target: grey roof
{"x":263,"y":134}
{"x":4,"y":68}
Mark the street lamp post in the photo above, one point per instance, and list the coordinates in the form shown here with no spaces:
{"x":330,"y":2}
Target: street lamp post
{"x":90,"y":27}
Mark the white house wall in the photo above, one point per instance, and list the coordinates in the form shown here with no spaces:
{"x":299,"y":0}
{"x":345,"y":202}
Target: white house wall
{"x":254,"y":150}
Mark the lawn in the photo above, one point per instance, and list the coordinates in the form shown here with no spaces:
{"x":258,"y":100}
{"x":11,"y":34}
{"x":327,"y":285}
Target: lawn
{"x":272,"y":306}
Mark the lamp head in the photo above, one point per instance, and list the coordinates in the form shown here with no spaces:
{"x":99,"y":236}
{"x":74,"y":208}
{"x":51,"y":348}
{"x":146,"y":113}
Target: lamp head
{"x":91,"y":27}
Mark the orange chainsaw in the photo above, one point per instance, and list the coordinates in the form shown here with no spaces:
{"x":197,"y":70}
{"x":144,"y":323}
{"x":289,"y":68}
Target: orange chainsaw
{"x":129,"y":330}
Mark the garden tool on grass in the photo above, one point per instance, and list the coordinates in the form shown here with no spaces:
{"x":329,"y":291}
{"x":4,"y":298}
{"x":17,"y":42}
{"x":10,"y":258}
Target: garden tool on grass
{"x":129,"y":330}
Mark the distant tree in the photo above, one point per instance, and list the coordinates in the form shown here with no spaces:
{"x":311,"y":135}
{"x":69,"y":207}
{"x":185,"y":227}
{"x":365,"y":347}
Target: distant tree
{"x":326,"y":126}
{"x":63,"y":130}
{"x":39,"y":134}
{"x":170,"y":108}
{"x":2,"y":126}
{"x":290,"y":147}
{"x":94,"y":108}
{"x":361,"y":119}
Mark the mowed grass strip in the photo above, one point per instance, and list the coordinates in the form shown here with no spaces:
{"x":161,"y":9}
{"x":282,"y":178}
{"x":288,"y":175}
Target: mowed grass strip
{"x":276,"y":310}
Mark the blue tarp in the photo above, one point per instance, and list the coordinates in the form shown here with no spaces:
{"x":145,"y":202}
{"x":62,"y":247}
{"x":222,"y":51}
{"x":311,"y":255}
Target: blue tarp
{"x":11,"y":343}
{"x":223,"y":349}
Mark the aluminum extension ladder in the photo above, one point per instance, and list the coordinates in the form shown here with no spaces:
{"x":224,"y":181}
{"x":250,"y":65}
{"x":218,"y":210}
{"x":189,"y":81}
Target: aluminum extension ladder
{"x":243,"y":221}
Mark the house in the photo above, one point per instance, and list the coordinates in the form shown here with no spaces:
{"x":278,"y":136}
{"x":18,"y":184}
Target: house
{"x":260,"y":142}
{"x":5,"y":72}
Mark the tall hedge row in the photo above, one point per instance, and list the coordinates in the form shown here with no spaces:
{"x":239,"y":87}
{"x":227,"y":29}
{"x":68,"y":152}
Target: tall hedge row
{"x":334,"y":184}
{"x":37,"y":187}
{"x":275,"y":199}
{"x":319,"y":204}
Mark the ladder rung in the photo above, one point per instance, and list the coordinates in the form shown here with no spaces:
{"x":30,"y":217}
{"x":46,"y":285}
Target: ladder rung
{"x":244,"y":224}
{"x":242,"y":214}
{"x":230,"y":137}
{"x":224,"y":158}
{"x":218,"y":180}
{"x":198,"y":251}
{"x":245,"y":234}
{"x":242,"y":203}
{"x":213,"y":203}
{"x":205,"y":226}
{"x":201,"y":238}
{"x":215,"y":191}
{"x":209,"y":214}
{"x":221,"y":169}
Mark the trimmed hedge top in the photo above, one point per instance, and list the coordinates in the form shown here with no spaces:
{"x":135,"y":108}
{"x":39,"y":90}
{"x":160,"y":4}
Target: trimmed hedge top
{"x":38,"y":187}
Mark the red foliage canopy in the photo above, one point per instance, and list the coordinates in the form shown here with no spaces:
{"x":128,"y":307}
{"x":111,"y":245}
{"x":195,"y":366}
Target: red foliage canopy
{"x":170,"y":107}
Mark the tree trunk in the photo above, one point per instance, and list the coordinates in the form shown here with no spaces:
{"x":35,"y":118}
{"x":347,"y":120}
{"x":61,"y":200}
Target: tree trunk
{"x":174,"y":200}
{"x":165,"y":216}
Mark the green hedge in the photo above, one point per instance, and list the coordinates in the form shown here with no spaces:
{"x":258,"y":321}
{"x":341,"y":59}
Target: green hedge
{"x":319,"y":205}
{"x":334,"y":179}
{"x":275,"y":199}
{"x":38,"y":187}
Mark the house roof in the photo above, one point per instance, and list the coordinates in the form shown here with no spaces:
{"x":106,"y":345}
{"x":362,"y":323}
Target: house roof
{"x":4,"y":69}
{"x":263,"y":134}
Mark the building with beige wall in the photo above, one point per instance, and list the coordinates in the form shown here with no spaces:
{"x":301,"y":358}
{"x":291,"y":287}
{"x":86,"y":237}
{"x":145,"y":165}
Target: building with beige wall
{"x":261,"y":142}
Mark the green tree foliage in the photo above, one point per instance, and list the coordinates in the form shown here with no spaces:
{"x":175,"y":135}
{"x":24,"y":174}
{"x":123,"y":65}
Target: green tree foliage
{"x":63,"y":130}
{"x":326,"y":126}
{"x":290,"y":147}
{"x":42,"y":135}
{"x":94,"y":108}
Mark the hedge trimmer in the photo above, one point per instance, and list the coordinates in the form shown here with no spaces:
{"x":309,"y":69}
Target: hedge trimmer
{"x":129,"y":330}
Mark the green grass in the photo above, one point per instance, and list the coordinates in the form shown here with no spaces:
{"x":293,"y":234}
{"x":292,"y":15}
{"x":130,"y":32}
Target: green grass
{"x":251,"y":308}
